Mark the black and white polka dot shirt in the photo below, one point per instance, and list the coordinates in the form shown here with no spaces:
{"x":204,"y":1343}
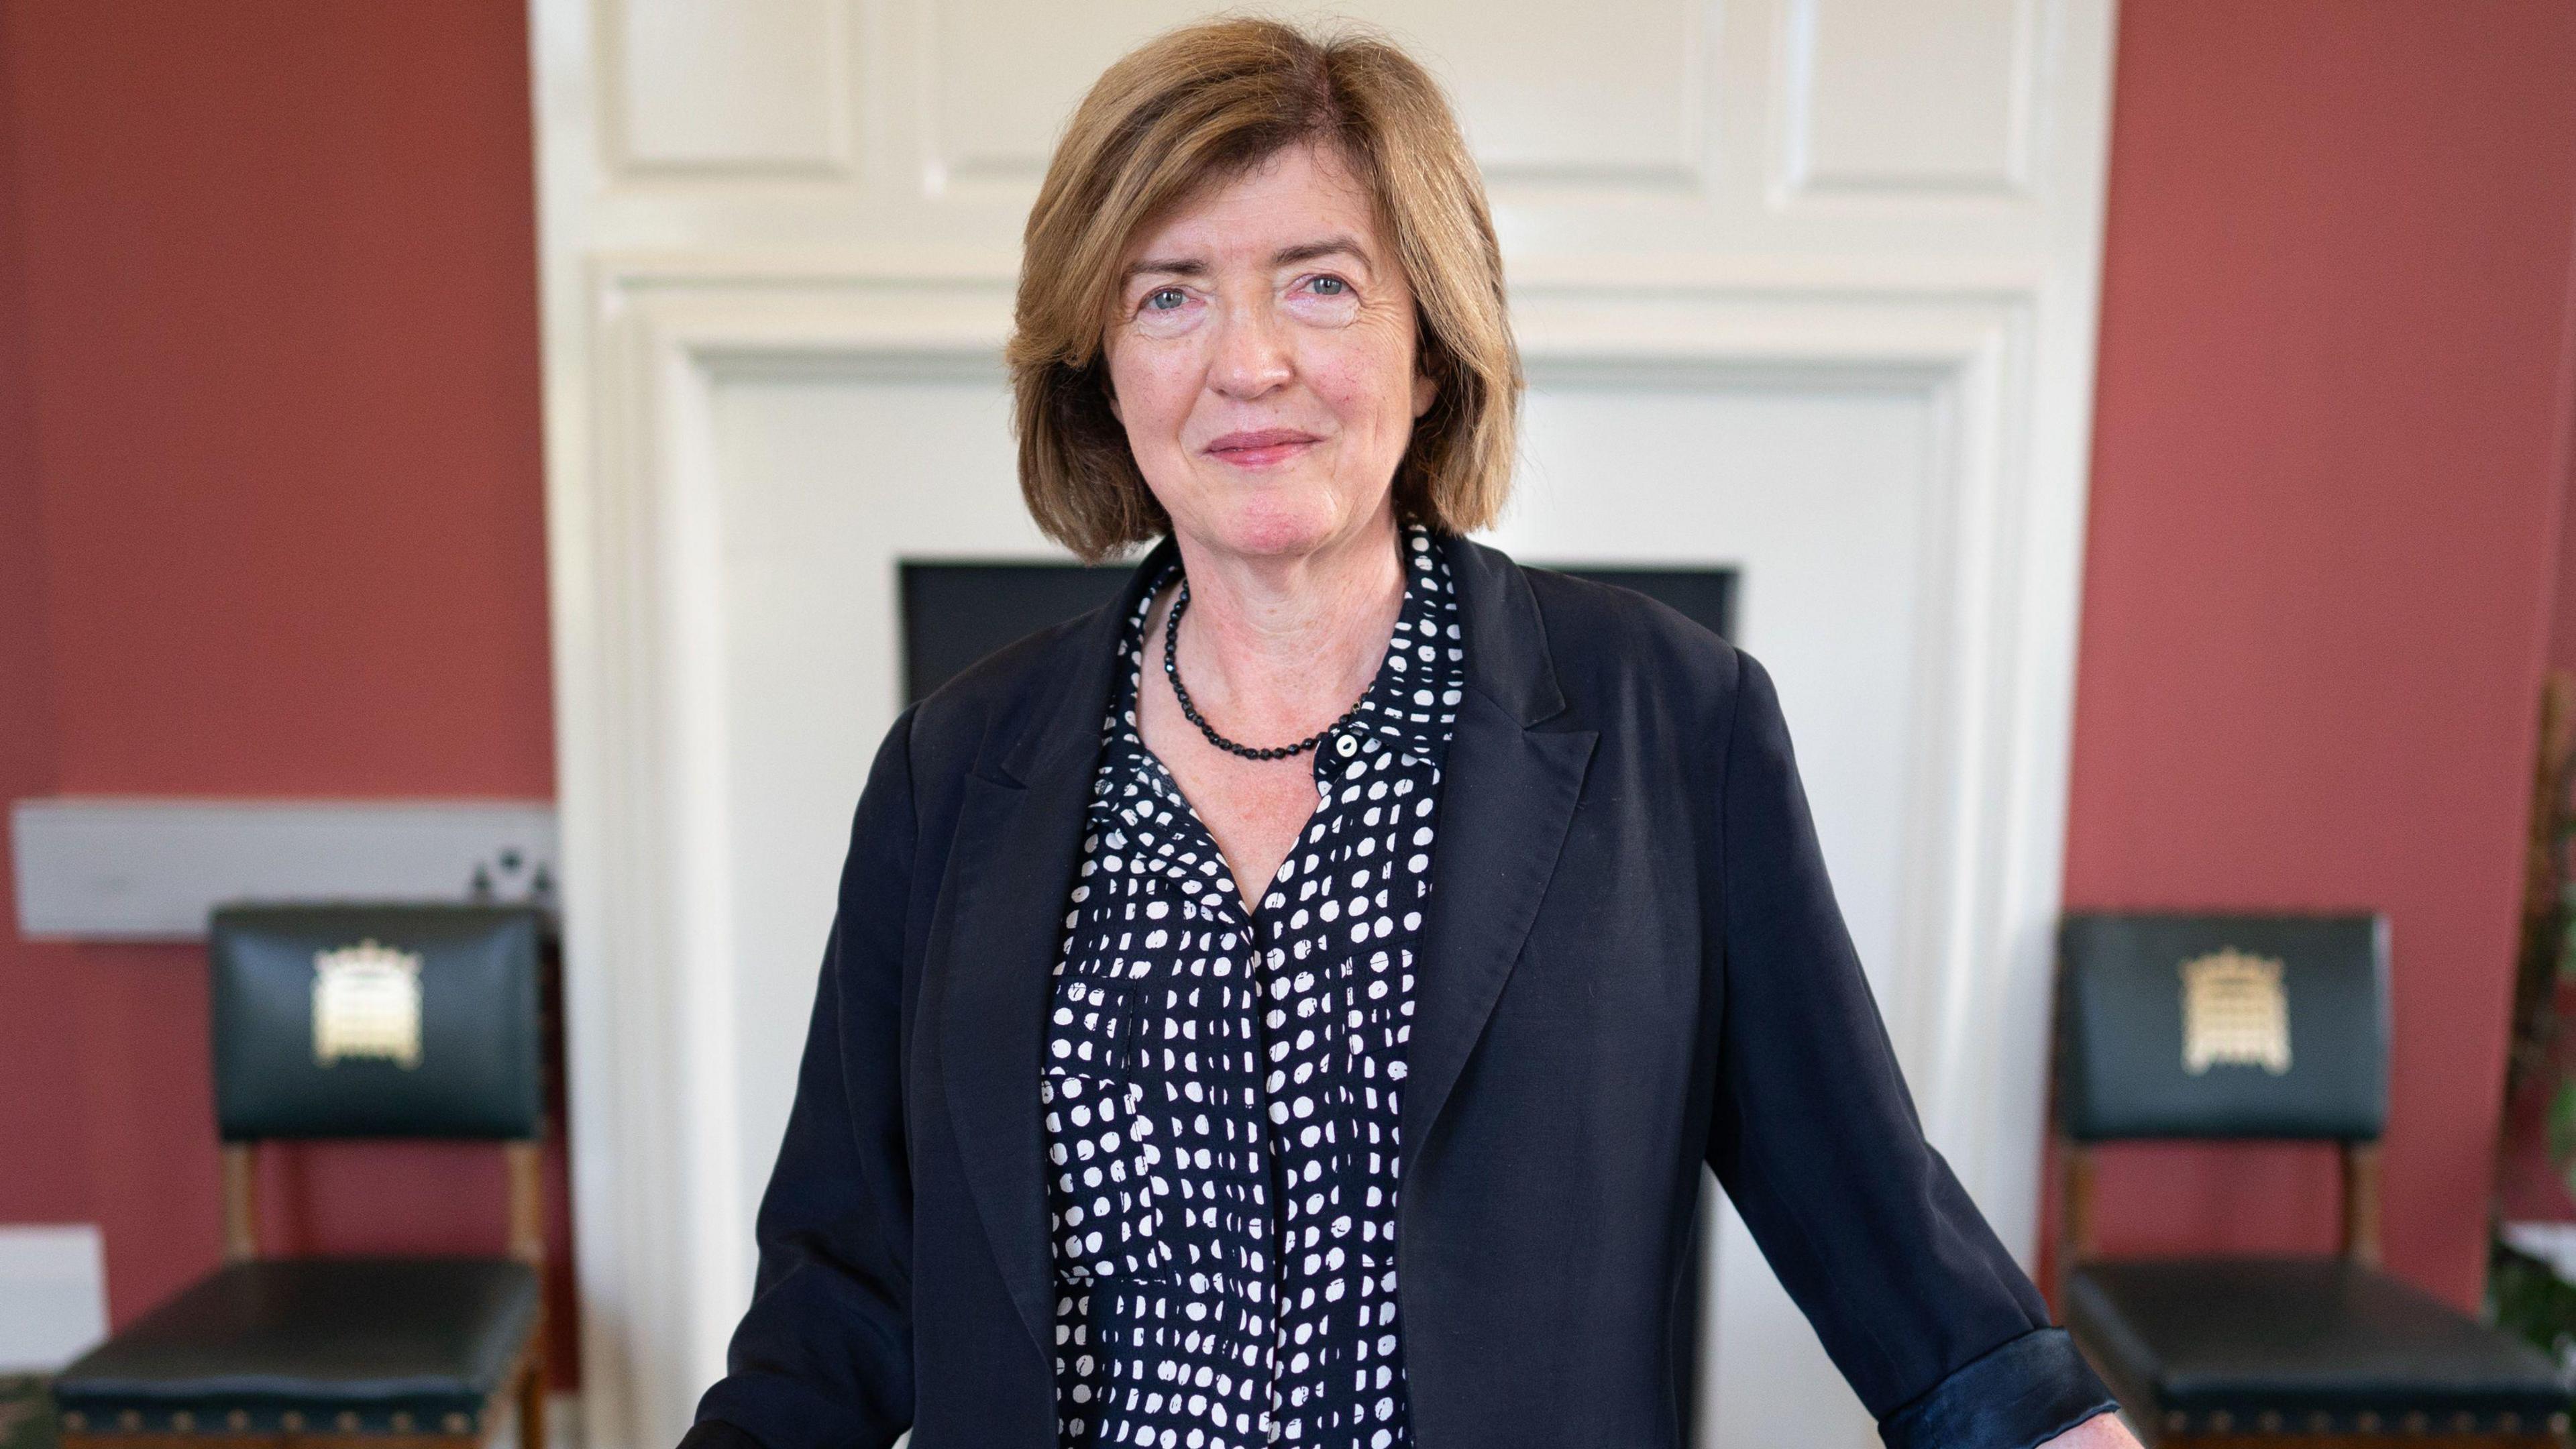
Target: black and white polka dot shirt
{"x":1221,"y":1087}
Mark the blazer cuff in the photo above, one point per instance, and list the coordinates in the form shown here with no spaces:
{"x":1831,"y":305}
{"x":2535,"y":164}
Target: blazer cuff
{"x":717,"y":1434}
{"x":2022,"y":1394}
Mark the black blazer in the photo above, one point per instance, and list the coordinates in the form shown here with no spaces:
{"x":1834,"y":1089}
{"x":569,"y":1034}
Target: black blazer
{"x":1633,"y":963}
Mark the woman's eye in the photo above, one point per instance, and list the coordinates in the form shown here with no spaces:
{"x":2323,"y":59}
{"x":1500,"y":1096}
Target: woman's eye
{"x":1330,"y":286}
{"x":1164,"y":299}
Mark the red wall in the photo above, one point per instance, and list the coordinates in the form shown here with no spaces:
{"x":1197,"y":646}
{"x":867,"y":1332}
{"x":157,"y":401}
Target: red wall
{"x":270,"y":524}
{"x":2329,"y":453}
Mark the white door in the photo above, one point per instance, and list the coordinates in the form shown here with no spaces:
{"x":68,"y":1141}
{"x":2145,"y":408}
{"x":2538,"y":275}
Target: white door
{"x":1805,"y":288}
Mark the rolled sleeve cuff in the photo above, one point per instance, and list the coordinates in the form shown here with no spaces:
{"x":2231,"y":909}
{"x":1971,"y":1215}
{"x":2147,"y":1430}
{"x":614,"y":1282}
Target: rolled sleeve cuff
{"x":2023,"y":1393}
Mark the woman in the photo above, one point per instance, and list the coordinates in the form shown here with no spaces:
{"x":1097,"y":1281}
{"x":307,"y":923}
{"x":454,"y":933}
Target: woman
{"x":1344,"y":898}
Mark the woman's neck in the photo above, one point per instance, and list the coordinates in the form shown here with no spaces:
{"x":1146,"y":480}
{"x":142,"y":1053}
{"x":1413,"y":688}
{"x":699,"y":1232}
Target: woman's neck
{"x":1276,"y":647}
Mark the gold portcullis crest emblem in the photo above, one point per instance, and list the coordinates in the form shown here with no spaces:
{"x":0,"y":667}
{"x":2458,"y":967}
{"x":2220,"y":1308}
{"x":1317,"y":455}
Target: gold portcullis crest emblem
{"x":366,"y":1003}
{"x":2235,"y":1012}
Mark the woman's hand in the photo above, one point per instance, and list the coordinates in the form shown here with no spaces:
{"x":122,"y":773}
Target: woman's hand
{"x":2102,"y":1431}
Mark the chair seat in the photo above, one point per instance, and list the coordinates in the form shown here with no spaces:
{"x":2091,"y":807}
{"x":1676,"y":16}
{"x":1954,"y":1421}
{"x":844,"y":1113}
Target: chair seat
{"x":2309,"y":1345}
{"x":364,"y":1345}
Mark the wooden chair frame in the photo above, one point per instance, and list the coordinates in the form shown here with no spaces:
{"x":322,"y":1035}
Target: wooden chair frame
{"x":2359,"y":1244}
{"x":526,"y":1379}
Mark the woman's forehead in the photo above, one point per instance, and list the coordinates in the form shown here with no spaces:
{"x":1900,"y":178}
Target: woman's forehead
{"x":1292,"y":204}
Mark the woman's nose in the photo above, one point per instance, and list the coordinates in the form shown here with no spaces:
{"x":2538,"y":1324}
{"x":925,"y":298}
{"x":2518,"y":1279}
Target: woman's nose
{"x":1251,"y":354}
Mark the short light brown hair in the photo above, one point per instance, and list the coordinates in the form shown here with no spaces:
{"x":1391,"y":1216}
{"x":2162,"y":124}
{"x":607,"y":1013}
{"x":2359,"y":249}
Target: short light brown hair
{"x":1200,"y":106}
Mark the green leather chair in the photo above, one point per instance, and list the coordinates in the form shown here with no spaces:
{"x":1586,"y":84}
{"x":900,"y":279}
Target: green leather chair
{"x":340,"y":1022}
{"x":2262,"y":1027}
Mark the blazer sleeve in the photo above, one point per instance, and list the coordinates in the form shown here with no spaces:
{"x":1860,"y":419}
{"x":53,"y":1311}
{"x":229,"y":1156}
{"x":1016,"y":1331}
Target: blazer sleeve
{"x":823,"y":1357}
{"x":1816,"y":1141}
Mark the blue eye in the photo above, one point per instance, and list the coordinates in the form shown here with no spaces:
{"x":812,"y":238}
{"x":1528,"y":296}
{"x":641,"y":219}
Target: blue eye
{"x":1154,"y":298}
{"x":1331,"y":286}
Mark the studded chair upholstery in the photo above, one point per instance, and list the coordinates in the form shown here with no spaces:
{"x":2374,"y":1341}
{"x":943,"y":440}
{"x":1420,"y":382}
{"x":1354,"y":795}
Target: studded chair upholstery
{"x":339,"y":1022}
{"x":2262,"y":1027}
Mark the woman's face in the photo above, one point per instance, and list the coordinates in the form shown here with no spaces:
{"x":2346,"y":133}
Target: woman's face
{"x":1261,"y":358}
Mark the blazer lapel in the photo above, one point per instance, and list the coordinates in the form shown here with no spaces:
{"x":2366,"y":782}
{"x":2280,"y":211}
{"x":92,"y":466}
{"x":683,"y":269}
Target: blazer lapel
{"x":1019,"y":836}
{"x":1507,"y":798}
{"x":1507,"y":795}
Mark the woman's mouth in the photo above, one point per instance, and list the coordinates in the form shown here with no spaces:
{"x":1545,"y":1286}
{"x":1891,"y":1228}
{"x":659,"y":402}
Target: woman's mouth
{"x":1262,"y":449}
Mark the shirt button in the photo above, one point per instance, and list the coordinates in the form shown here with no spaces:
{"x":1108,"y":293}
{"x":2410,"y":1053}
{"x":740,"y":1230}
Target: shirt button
{"x":1347,"y":746}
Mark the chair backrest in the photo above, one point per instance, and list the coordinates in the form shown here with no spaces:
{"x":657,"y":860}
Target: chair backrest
{"x":377,"y":1021}
{"x":2269,"y":1026}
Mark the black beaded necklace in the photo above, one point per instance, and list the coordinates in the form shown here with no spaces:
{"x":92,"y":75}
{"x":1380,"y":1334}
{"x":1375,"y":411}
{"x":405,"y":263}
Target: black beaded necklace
{"x":1172,"y":668}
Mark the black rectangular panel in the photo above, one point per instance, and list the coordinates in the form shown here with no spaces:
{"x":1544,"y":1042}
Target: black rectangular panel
{"x":957,"y":611}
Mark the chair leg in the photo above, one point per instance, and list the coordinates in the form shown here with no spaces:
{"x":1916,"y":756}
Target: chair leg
{"x":532,"y":1401}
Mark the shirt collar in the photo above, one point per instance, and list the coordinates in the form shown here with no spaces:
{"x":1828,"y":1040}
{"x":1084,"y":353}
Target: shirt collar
{"x":1412,"y":703}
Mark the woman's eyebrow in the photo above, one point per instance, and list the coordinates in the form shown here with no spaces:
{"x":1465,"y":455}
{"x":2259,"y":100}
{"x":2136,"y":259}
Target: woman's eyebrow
{"x":1284,"y":257}
{"x":1167,"y":266}
{"x":1308,"y":251}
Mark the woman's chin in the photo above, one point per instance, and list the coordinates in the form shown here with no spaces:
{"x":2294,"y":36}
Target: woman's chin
{"x":1271,"y":520}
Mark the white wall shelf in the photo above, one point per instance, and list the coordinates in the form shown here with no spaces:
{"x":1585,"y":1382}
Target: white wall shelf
{"x":124,"y":869}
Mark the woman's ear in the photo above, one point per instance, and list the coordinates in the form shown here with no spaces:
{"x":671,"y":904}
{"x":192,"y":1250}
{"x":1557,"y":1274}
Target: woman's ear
{"x":1424,"y":391}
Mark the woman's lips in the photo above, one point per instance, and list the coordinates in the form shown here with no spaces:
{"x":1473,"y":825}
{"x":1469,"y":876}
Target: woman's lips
{"x":1260,"y":449}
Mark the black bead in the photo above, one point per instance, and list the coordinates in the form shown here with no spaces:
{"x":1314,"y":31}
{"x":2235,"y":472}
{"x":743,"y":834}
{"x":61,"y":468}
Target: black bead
{"x":1172,"y":668}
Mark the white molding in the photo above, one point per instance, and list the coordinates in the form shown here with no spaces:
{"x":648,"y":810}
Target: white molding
{"x":113,"y":868}
{"x":824,"y":156}
{"x":1797,"y":182}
